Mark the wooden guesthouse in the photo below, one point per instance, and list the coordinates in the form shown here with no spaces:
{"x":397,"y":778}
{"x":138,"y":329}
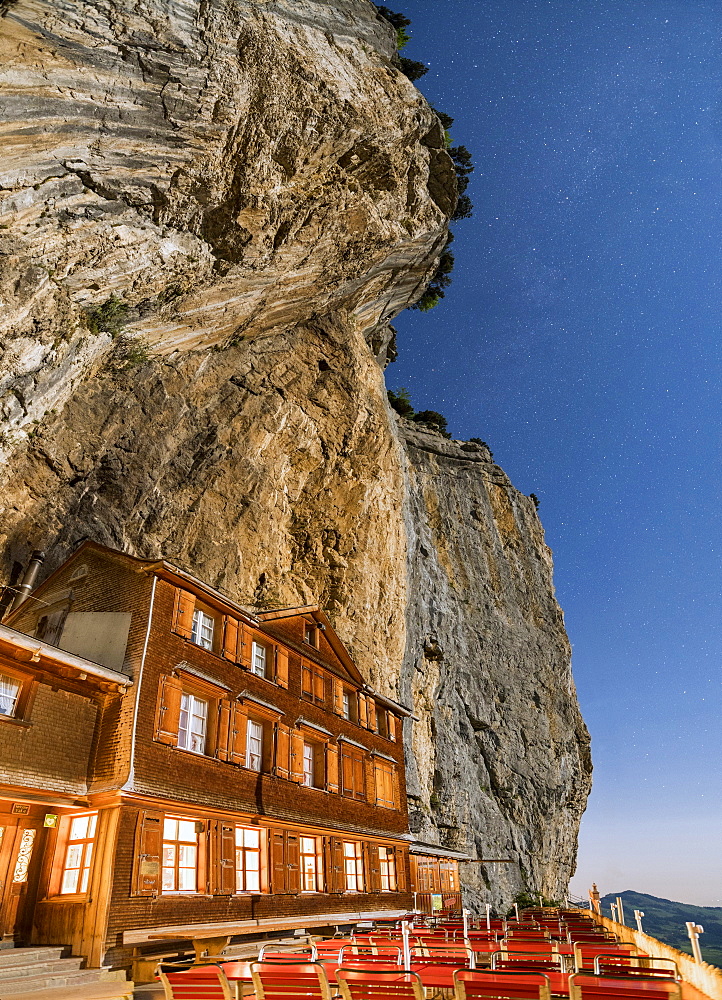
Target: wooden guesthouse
{"x":169,"y":760}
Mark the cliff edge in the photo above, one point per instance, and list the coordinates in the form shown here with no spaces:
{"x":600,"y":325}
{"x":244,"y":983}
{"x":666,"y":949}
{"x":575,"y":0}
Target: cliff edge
{"x":209,"y":212}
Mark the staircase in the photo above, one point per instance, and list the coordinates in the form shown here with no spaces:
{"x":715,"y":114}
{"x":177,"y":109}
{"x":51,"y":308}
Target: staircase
{"x":26,"y":971}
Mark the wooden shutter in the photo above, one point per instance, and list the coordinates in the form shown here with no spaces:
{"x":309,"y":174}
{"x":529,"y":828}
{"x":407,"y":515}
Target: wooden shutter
{"x":331,"y":767}
{"x":231,"y":632}
{"x":283,"y":751}
{"x":372,"y":867}
{"x":319,"y":692}
{"x":293,"y":863}
{"x":359,"y":782}
{"x":167,"y":715}
{"x":337,"y":696}
{"x":223,"y":731}
{"x":306,"y":679}
{"x":391,"y":725}
{"x":346,"y":771}
{"x":147,"y":853}
{"x":185,"y":605}
{"x":223,"y":858}
{"x":277,"y":864}
{"x":237,"y":740}
{"x":281,"y":667}
{"x":243,"y":648}
{"x":363,"y":715}
{"x":395,"y":791}
{"x":335,"y":871}
{"x":402,"y":881}
{"x":296,"y":768}
{"x":371,"y":711}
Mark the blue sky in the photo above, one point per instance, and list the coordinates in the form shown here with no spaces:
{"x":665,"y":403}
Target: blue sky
{"x":581,"y":338}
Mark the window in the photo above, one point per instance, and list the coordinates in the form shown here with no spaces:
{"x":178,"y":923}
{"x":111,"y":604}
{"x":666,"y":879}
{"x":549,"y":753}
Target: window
{"x":311,"y":865}
{"x":310,"y":635}
{"x":192,"y":723}
{"x":248,"y":859}
{"x":387,"y":859}
{"x":9,"y":694}
{"x":202,"y":629}
{"x":449,"y":876}
{"x":384,"y":777}
{"x":259,"y":660}
{"x":352,"y":772}
{"x":347,"y":704}
{"x":308,"y":764}
{"x":180,"y":855}
{"x":353,"y":866}
{"x":254,"y":745}
{"x":315,"y":683}
{"x":78,"y":854}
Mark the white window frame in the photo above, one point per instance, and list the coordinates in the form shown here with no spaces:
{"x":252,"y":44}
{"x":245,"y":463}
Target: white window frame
{"x":309,"y":758}
{"x":78,"y":848}
{"x":203,"y":629}
{"x":346,"y":704}
{"x":353,"y":866}
{"x":259,"y":663}
{"x":311,"y":874}
{"x":10,"y":688}
{"x":194,"y":735}
{"x":184,"y":848}
{"x":248,"y":859}
{"x":387,"y":868}
{"x":254,"y":738}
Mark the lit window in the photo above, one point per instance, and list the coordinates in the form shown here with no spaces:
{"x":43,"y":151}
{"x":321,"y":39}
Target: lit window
{"x":311,"y":865}
{"x":353,"y":866}
{"x":192,"y":724}
{"x":258,"y":660}
{"x":9,"y":691}
{"x":180,"y":855}
{"x":248,"y":859}
{"x":78,"y":854}
{"x":254,"y":745}
{"x":202,"y":629}
{"x":388,"y":869}
{"x":308,"y":764}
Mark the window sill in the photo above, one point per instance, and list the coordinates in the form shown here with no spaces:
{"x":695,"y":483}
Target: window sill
{"x":12,"y":721}
{"x":68,"y":897}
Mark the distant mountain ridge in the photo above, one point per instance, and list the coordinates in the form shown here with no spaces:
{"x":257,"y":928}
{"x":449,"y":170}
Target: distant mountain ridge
{"x":665,"y":919}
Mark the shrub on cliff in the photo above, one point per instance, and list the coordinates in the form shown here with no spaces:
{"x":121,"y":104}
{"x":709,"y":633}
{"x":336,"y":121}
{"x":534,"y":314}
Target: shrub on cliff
{"x":401,"y":402}
{"x":432,"y":419}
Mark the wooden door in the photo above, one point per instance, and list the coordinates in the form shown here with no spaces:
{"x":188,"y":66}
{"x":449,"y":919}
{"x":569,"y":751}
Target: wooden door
{"x":20,"y":854}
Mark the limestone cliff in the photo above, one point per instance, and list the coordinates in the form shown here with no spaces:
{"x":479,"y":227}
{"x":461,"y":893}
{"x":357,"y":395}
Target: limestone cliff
{"x":209,"y":211}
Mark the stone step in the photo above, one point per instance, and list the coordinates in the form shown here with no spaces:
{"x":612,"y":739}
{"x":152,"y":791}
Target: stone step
{"x":26,"y":956}
{"x":59,"y":965}
{"x":32,"y":984}
{"x":102,"y":990}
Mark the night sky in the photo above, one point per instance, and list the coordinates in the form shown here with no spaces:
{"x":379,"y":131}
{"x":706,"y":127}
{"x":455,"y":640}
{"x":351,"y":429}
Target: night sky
{"x":581,"y":339}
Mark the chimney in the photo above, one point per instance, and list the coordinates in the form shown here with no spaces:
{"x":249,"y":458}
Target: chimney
{"x":24,"y":588}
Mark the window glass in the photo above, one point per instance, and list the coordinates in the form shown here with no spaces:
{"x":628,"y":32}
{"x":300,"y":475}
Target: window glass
{"x":202,"y":629}
{"x":347,"y":704}
{"x":180,"y":855}
{"x":78,"y":854}
{"x":9,"y":691}
{"x":353,"y":866}
{"x":388,"y":868}
{"x":311,"y":865}
{"x":258,"y":660}
{"x":248,"y":859}
{"x":192,"y":723}
{"x":254,"y":745}
{"x":308,"y":764}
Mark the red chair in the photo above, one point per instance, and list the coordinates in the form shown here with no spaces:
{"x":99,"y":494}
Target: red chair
{"x":635,"y":965}
{"x":587,"y":986}
{"x":290,"y":981}
{"x":206,"y":982}
{"x":533,"y":961}
{"x":458,"y":955}
{"x":373,"y":954}
{"x":475,"y":985}
{"x":373,"y":984}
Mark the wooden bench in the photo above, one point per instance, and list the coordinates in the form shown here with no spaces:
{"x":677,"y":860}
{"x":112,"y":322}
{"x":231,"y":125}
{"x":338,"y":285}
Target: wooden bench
{"x":146,"y":962}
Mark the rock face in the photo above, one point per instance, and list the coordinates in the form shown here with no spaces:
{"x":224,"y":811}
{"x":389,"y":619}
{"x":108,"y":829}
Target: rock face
{"x":210,"y":211}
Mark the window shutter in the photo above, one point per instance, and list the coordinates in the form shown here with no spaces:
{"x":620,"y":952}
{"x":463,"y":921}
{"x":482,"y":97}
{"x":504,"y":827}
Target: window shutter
{"x":336,"y":875}
{"x":283,"y":750}
{"x":346,"y":773}
{"x":337,"y":696}
{"x":372,"y":866}
{"x":293,"y":863}
{"x":391,"y":725}
{"x":331,"y":767}
{"x":243,"y":648}
{"x":281,"y":667}
{"x":402,"y":881}
{"x":185,"y":605}
{"x":319,"y":693}
{"x":146,"y":855}
{"x":371,"y":707}
{"x":278,"y":862}
{"x":237,"y":740}
{"x":395,"y":792}
{"x":358,"y":778}
{"x":231,"y":633}
{"x":167,"y":715}
{"x":296,"y":768}
{"x":223,"y":858}
{"x":223,"y":731}
{"x":363,"y":715}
